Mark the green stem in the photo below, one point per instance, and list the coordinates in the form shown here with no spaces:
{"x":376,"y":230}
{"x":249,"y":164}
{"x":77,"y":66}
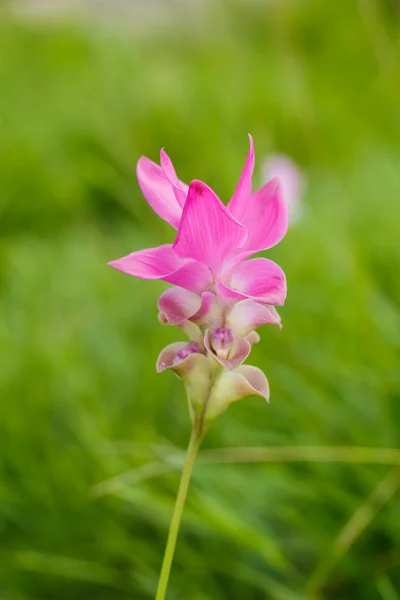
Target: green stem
{"x":194,"y":445}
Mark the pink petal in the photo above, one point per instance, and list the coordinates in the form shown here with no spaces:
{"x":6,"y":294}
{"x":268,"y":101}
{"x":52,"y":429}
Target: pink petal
{"x":178,"y":304}
{"x":208,"y":300}
{"x":265,"y":216}
{"x":247,"y":315}
{"x":180,"y":189}
{"x":158,"y":191}
{"x":260,"y":279}
{"x":163,"y":263}
{"x":207,"y":231}
{"x":242,"y":193}
{"x":239,"y":352}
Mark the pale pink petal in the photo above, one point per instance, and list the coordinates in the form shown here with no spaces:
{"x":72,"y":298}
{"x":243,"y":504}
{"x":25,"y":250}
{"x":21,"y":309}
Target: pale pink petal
{"x":256,"y":381}
{"x":242,"y":193}
{"x":178,"y":305}
{"x":163,"y":263}
{"x":238,"y":353}
{"x":232,"y":386}
{"x":180,"y":189}
{"x":193,"y":368}
{"x":167,"y":355}
{"x":259,"y":279}
{"x":247,"y":315}
{"x":158,"y":191}
{"x":292,"y":181}
{"x":211,"y":312}
{"x":169,"y":358}
{"x":207,"y":231}
{"x":208,"y":299}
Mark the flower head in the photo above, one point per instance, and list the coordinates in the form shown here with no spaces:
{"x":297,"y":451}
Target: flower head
{"x":220,"y":295}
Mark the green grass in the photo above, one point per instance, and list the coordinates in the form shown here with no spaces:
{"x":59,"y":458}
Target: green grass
{"x":80,"y":400}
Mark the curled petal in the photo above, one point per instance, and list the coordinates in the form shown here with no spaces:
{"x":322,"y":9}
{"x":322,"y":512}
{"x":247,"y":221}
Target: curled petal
{"x":239,"y":201}
{"x":207,"y":231}
{"x":247,"y":315}
{"x":194,"y":370}
{"x":208,"y":300}
{"x":232,"y":386}
{"x":180,"y":189}
{"x":181,"y":357}
{"x":158,"y":191}
{"x":166,"y":357}
{"x":255,"y":384}
{"x":178,"y":305}
{"x":237,"y":354}
{"x":163,"y":263}
{"x":259,"y":279}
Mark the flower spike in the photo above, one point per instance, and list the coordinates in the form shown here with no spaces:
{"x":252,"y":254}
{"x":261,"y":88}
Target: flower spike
{"x":220,"y":295}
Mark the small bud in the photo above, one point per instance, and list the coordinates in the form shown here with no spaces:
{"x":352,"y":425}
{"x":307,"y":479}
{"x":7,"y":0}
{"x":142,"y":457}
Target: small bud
{"x":222,"y":341}
{"x":228,"y":349}
{"x":191,"y":348}
{"x":252,"y":337}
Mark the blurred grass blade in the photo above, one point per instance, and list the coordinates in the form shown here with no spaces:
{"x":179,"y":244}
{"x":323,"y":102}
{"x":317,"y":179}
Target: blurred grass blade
{"x":356,"y":525}
{"x":386,"y":588}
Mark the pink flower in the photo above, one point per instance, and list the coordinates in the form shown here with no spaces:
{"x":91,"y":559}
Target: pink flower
{"x":220,"y":295}
{"x":213,"y":240}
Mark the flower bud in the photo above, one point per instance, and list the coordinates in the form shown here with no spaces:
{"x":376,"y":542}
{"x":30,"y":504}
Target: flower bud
{"x":252,"y":337}
{"x":222,"y":341}
{"x":191,"y":348}
{"x":228,"y":349}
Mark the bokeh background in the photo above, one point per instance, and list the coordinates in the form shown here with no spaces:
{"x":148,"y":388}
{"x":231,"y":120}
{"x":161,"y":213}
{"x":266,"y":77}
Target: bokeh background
{"x":302,"y":503}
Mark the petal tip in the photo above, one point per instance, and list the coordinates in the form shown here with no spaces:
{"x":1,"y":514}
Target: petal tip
{"x":163,"y":156}
{"x":115,"y":264}
{"x":197,"y":186}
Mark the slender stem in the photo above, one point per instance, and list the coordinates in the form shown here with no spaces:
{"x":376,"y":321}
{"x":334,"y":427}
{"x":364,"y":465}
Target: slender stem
{"x":193,"y":447}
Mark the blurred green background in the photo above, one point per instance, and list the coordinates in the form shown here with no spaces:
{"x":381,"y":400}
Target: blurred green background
{"x":91,"y":439}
